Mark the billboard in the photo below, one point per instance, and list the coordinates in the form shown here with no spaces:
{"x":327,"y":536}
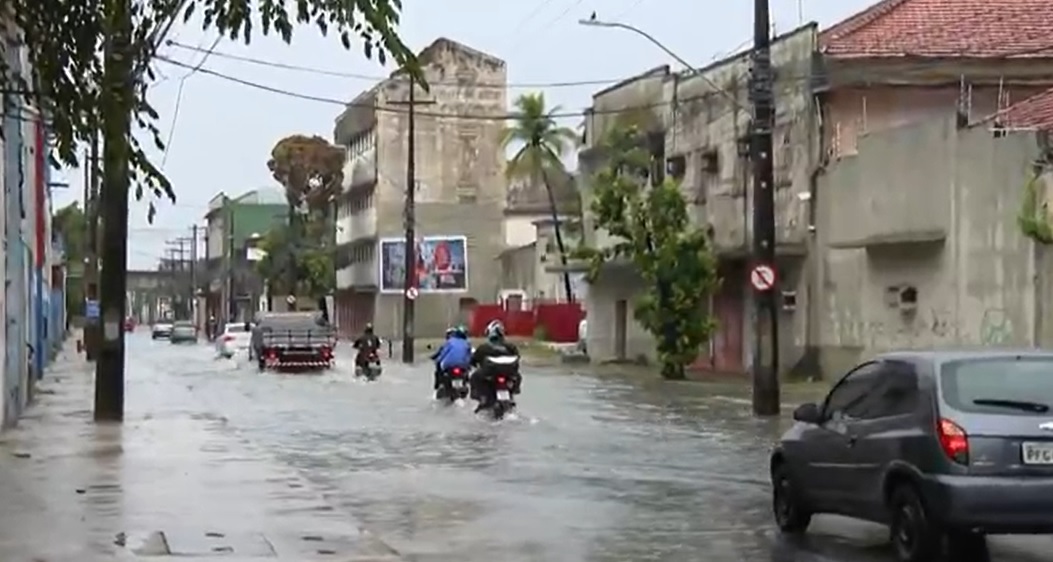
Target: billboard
{"x":442,"y":264}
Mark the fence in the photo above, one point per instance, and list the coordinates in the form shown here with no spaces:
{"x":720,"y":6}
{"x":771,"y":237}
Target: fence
{"x":555,"y":322}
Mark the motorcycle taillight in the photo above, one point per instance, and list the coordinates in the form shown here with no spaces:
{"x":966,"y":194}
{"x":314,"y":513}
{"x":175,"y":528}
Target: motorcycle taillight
{"x":456,"y":372}
{"x":501,"y":381}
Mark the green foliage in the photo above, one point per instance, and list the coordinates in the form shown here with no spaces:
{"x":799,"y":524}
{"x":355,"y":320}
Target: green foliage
{"x":65,"y":39}
{"x":1034,"y":218}
{"x":652,"y":229}
{"x":70,"y":225}
{"x":309,"y":262}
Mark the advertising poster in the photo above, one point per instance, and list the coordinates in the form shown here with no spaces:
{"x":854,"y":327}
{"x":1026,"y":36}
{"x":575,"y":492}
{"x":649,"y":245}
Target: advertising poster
{"x":442,"y":264}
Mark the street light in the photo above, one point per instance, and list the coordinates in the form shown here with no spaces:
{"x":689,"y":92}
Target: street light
{"x":593,"y":22}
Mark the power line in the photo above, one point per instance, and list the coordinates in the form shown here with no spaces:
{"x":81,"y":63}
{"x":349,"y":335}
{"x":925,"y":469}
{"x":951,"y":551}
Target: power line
{"x":373,"y":78}
{"x":533,"y":13}
{"x":551,"y":22}
{"x":179,"y":99}
{"x":440,"y":115}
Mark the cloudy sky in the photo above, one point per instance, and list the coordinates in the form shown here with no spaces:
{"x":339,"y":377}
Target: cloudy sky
{"x":223,"y":131}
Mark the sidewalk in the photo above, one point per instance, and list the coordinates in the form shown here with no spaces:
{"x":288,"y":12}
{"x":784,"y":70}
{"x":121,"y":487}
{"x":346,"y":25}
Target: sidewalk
{"x":172,"y":484}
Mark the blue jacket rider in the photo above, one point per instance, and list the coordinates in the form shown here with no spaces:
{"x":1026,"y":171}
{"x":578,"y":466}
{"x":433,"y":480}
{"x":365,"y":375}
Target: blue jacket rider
{"x":456,"y":351}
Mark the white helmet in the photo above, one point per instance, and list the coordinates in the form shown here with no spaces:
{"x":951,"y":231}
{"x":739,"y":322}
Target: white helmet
{"x":495,"y":330}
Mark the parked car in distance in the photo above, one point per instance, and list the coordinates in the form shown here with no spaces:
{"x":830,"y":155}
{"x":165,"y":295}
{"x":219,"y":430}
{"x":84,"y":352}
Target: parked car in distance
{"x":129,"y":324}
{"x":236,"y":338}
{"x":161,"y":330}
{"x":945,"y":447}
{"x":183,"y":331}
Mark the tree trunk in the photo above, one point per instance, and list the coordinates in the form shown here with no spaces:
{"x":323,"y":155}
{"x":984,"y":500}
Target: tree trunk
{"x":116,"y":105}
{"x":559,"y":236}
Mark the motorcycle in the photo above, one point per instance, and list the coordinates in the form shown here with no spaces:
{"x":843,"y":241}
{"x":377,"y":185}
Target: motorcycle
{"x":454,"y":385}
{"x":498,"y":397}
{"x":371,"y":370}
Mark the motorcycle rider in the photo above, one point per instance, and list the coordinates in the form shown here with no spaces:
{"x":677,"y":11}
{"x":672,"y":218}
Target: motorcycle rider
{"x":368,"y":345}
{"x":438,"y":353}
{"x":495,"y":346}
{"x":455,"y":352}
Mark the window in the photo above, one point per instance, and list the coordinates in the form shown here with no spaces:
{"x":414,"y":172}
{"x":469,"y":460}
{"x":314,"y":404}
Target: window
{"x":894,"y":394}
{"x":1009,"y":378}
{"x":847,"y":398}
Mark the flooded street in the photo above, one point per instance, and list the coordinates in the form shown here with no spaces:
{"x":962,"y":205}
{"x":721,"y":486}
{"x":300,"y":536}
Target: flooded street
{"x":588,"y":470}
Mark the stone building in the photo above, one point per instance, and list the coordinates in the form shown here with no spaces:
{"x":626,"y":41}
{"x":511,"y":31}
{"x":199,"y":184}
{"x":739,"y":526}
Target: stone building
{"x":698,"y":123}
{"x":861,"y":237}
{"x":460,"y":193}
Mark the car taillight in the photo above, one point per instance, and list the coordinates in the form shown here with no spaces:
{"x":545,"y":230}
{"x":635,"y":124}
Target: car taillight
{"x":953,"y":440}
{"x":228,"y":337}
{"x":456,"y":371}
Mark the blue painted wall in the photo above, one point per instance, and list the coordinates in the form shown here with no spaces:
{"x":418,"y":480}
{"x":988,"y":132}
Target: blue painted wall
{"x":14,"y":251}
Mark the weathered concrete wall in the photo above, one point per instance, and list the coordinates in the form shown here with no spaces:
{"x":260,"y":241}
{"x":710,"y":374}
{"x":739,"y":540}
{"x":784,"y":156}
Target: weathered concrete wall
{"x":459,"y":169}
{"x":616,"y":283}
{"x":977,"y":287}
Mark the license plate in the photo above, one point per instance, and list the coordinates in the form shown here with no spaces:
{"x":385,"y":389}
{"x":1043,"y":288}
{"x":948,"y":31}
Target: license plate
{"x":458,"y":383}
{"x":1037,"y":453}
{"x":504,"y":395}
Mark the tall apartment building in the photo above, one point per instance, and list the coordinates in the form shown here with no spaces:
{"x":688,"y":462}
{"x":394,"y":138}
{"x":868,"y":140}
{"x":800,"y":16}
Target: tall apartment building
{"x":460,"y":193}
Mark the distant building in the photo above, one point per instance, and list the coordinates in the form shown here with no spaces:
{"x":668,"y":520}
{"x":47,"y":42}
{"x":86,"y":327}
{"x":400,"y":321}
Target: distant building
{"x":460,"y":194}
{"x":230,"y":224}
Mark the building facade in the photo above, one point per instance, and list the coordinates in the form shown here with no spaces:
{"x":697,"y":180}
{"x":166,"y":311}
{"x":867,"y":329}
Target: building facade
{"x":30,"y":257}
{"x":697,"y":124}
{"x":865,"y":168}
{"x":460,"y":194}
{"x":231,"y":223}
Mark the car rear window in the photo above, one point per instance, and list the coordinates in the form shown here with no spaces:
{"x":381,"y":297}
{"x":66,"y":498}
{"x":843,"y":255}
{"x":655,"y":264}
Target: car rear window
{"x":1014,"y":379}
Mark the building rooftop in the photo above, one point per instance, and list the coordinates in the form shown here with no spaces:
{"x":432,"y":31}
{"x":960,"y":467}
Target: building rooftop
{"x":1033,"y":113}
{"x":944,"y":28}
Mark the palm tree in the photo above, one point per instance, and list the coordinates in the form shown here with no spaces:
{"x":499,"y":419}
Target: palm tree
{"x":542,"y":144}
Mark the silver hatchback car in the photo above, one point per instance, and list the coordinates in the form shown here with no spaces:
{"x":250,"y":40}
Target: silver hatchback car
{"x":945,"y":447}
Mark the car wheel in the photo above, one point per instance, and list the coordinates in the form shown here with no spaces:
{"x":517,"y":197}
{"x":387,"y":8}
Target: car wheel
{"x":914,"y":536}
{"x":790,"y":516}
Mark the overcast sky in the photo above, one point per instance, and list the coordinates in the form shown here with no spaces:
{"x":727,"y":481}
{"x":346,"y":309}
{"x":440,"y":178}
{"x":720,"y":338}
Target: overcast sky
{"x":224,"y":131}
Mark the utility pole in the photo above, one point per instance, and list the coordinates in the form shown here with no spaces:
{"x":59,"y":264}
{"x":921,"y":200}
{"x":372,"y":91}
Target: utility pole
{"x":228,"y":316}
{"x":765,"y":376}
{"x":193,"y":275}
{"x":410,"y":217}
{"x":118,"y":87}
{"x":91,"y":267}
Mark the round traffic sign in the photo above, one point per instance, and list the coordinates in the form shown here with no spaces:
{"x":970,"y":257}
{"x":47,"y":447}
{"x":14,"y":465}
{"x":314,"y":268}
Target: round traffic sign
{"x":762,"y":277}
{"x":411,"y":293}
{"x":290,"y":299}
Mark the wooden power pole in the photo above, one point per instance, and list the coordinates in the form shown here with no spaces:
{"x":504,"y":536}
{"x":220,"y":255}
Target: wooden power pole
{"x":765,"y":376}
{"x":91,"y":246}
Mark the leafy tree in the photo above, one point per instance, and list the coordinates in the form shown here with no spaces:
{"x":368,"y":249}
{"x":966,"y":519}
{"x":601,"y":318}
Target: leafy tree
{"x":65,"y":41}
{"x":652,"y":229}
{"x":542,"y":144}
{"x":312,"y":172}
{"x":70,"y":225}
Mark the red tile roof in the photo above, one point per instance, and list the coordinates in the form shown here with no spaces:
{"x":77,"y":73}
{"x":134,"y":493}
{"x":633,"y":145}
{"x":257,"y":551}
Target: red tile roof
{"x":945,"y":28}
{"x":1035,"y":112}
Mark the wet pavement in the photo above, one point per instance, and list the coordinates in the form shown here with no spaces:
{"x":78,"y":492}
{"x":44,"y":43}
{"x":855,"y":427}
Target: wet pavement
{"x":590,"y":469}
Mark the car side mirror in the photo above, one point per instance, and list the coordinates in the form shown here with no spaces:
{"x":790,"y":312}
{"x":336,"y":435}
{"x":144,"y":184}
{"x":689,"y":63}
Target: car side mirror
{"x":808,"y":413}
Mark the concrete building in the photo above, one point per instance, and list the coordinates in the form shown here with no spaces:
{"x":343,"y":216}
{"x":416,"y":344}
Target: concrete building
{"x":230,"y":223}
{"x":460,"y":193}
{"x":531,"y":273}
{"x":919,"y":241}
{"x":697,"y":125}
{"x":900,"y":63}
{"x":29,"y":254}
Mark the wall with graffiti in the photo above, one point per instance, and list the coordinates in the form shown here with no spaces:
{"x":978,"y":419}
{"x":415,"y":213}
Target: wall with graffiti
{"x":952,"y":270}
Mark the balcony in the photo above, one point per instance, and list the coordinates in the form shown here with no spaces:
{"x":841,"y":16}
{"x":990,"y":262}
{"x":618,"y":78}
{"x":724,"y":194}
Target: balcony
{"x":361,"y":225}
{"x":360,"y":170}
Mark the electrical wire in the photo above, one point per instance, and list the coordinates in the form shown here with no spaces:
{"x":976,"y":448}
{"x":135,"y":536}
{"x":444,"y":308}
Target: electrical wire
{"x":548,"y":26}
{"x":179,"y":99}
{"x":522,"y":23}
{"x":377,"y":78}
